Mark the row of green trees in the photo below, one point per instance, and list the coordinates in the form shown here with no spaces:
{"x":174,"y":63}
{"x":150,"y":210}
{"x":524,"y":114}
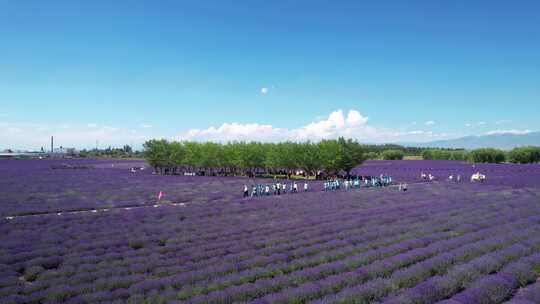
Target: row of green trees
{"x":251,"y":158}
{"x":442,"y":154}
{"x":524,"y":155}
{"x":520,"y":155}
{"x":397,"y":152}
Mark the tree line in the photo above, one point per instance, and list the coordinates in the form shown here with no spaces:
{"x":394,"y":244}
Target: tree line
{"x":521,"y":155}
{"x":396,"y":152}
{"x":327,"y":157}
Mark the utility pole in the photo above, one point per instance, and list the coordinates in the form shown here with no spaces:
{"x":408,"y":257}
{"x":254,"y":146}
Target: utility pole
{"x":52,"y":144}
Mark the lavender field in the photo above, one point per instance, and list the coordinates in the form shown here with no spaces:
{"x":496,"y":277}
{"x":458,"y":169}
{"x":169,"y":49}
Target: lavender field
{"x":438,"y":242}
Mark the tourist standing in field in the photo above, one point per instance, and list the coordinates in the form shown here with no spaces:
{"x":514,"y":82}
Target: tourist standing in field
{"x":253,"y":190}
{"x":246,"y":192}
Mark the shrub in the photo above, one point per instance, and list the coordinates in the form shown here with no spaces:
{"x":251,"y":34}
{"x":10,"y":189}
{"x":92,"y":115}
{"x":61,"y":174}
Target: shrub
{"x":392,"y":155}
{"x":524,"y":155}
{"x":441,"y":154}
{"x":487,"y":155}
{"x":372,"y":155}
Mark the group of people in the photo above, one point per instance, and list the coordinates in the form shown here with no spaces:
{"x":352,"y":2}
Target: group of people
{"x":427,"y":176}
{"x":275,"y":188}
{"x":278,"y":188}
{"x":357,"y":182}
{"x":454,"y":178}
{"x":334,"y":184}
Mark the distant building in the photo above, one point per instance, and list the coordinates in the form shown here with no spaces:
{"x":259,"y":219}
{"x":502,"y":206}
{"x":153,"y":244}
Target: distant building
{"x":57,"y":153}
{"x":65,"y":152}
{"x":21,"y":155}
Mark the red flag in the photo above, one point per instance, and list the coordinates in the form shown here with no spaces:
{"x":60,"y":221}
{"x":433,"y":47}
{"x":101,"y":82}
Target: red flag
{"x":160,"y":195}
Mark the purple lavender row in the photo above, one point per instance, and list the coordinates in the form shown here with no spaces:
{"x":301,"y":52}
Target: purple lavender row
{"x":26,"y":257}
{"x":142,"y":256}
{"x":340,"y":231}
{"x":351,"y":262}
{"x":331,"y":243}
{"x":20,"y":193}
{"x":499,"y":287}
{"x":526,"y":272}
{"x":460,"y":276}
{"x":148,"y":283}
{"x":433,"y":266}
{"x":380,"y":269}
{"x":206,"y":240}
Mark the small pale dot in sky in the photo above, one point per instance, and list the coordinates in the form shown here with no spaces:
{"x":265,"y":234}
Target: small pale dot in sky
{"x":264,"y":91}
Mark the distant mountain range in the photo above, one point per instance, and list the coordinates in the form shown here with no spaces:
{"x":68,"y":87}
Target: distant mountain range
{"x":499,"y":141}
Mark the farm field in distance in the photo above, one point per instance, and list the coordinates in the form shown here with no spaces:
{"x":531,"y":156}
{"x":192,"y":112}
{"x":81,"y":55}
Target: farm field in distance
{"x":440,"y":241}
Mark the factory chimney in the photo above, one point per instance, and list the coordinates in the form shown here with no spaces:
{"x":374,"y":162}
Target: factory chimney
{"x":52,"y":144}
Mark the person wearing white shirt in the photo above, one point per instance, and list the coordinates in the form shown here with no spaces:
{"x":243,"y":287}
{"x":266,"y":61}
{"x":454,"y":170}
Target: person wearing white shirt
{"x":246,"y":192}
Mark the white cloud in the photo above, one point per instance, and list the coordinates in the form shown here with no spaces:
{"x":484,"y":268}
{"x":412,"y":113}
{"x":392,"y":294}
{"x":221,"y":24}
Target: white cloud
{"x":91,"y":125}
{"x":354,"y":124}
{"x":235,"y":131}
{"x":336,"y":124}
{"x":429,"y":123}
{"x":481,"y":123}
{"x":146,"y":126}
{"x":512,"y":131}
{"x":264,"y":91}
{"x":468,"y":125}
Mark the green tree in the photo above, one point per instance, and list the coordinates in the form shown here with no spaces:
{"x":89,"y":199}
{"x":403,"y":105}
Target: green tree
{"x":524,"y":155}
{"x":351,"y":155}
{"x":487,"y":155}
{"x":330,"y":155}
{"x":309,"y":158}
{"x":156,"y":152}
{"x":392,"y":155}
{"x":372,"y":155}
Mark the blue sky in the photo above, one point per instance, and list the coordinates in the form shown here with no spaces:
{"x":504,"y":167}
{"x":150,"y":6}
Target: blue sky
{"x":125,"y":71}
